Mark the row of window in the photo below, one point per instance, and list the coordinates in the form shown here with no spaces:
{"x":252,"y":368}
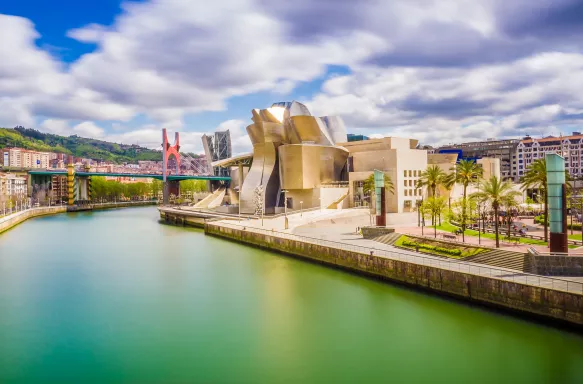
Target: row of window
{"x":412,"y":192}
{"x":409,"y":183}
{"x":411,"y":173}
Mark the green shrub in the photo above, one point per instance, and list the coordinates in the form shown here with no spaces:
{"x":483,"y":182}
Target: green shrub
{"x":454,"y":252}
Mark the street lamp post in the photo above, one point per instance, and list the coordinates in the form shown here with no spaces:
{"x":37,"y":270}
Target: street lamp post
{"x":479,"y":233}
{"x":286,"y":223}
{"x":301,"y":208}
{"x":422,"y":216}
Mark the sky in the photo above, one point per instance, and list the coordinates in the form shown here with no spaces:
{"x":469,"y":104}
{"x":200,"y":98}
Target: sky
{"x":441,"y":71}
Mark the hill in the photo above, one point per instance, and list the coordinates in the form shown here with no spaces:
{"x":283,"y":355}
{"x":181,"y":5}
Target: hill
{"x":74,"y":145}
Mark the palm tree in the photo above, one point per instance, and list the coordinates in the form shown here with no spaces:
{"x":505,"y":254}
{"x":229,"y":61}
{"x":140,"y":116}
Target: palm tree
{"x":536,"y":177}
{"x":497,"y":193}
{"x":368,"y":187}
{"x":432,"y":178}
{"x":509,"y":203}
{"x":465,"y":173}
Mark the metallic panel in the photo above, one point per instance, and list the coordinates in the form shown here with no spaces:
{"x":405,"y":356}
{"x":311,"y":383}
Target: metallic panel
{"x":308,"y":166}
{"x":308,"y":129}
{"x":293,"y":150}
{"x":336,"y":128}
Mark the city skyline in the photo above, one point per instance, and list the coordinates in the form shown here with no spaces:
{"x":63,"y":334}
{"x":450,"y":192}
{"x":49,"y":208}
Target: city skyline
{"x":443,"y":72}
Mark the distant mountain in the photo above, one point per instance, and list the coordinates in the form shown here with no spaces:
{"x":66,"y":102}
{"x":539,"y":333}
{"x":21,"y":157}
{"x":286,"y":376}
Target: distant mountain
{"x":74,"y":145}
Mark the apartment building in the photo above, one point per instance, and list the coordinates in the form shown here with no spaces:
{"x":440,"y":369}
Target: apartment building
{"x":505,"y":150}
{"x":23,"y":158}
{"x":570,"y":147}
{"x":12,"y":185}
{"x":12,"y":157}
{"x":59,"y":186}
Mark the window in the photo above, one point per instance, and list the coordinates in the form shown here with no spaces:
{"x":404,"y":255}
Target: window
{"x":405,"y":192}
{"x":405,"y":173}
{"x":405,"y":183}
{"x":410,"y":173}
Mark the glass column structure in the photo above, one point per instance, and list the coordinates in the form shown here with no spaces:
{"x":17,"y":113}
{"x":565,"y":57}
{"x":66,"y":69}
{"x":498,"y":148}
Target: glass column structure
{"x":556,"y":200}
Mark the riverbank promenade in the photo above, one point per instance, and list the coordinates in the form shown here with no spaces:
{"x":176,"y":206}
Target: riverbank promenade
{"x":329,"y":237}
{"x":337,"y":230}
{"x":13,"y":219}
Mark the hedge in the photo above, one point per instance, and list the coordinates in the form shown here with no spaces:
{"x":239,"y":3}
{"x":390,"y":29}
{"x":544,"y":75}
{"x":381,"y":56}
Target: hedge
{"x":539,"y":220}
{"x":453,"y":252}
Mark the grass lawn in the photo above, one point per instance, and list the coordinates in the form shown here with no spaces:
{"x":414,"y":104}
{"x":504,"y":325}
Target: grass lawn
{"x":465,"y":251}
{"x":470,"y":232}
{"x":575,"y":236}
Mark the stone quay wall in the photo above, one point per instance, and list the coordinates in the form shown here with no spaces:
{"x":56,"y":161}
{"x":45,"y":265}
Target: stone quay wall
{"x":556,"y":305}
{"x":123,"y":204}
{"x":557,"y":265}
{"x":10,"y":221}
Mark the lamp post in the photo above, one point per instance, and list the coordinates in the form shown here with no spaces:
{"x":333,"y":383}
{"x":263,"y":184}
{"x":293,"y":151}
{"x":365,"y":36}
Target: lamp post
{"x":422,"y":216}
{"x":286,"y":223}
{"x":301,"y":208}
{"x":479,"y":236}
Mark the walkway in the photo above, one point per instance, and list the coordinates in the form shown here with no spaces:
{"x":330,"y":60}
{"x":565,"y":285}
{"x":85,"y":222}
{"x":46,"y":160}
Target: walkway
{"x":336,"y":229}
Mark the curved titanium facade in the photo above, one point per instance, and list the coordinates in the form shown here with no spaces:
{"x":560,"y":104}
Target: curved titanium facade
{"x":291,"y":150}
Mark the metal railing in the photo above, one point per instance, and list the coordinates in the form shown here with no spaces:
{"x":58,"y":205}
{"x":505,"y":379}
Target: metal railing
{"x":433,"y":261}
{"x":4,"y":218}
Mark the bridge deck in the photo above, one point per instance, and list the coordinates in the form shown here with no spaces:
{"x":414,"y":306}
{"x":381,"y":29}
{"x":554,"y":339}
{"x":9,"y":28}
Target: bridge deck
{"x":136,"y":175}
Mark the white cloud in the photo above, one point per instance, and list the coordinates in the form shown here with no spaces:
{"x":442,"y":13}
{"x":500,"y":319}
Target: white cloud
{"x":56,"y":126}
{"x":444,"y":105}
{"x":439,"y":70}
{"x":88,"y":129}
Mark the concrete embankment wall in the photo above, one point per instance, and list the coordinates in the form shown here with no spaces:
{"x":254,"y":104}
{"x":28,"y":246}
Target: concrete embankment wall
{"x":123,"y":205}
{"x":184,"y":219}
{"x":547,"y":303}
{"x":10,"y":221}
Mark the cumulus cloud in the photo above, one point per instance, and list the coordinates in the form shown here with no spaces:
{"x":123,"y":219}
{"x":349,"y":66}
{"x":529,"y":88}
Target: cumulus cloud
{"x":88,"y":129}
{"x":445,"y":104}
{"x":439,"y":70}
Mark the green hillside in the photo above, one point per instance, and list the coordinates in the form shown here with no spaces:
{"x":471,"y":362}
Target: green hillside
{"x":74,"y":145}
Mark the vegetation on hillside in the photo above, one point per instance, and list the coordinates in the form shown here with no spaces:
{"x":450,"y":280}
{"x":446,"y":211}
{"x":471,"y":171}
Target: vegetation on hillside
{"x":74,"y":145}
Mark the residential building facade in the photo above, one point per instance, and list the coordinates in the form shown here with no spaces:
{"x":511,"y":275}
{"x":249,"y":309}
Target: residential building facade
{"x":569,"y":147}
{"x":505,"y":150}
{"x":23,"y":158}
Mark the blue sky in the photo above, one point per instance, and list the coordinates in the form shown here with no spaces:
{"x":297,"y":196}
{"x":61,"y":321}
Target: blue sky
{"x":439,"y":71}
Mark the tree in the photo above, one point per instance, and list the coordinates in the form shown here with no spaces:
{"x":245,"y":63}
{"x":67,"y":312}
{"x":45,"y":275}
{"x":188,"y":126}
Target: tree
{"x":466,"y":172}
{"x":536,"y":177}
{"x":509,"y":202}
{"x":434,"y":206}
{"x":368,"y":187}
{"x":497,"y":193}
{"x":156,"y":188}
{"x":432,"y":178}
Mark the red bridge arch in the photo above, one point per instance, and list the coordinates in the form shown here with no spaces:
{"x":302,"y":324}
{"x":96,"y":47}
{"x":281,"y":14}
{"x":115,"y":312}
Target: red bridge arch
{"x":170,"y":150}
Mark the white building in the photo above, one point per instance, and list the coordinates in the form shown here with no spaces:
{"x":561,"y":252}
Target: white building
{"x":570,"y":147}
{"x":12,"y":185}
{"x":23,"y":158}
{"x":397,"y":157}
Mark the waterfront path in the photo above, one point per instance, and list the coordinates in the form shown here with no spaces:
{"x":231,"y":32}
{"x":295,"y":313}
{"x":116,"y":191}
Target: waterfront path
{"x":9,"y":221}
{"x":345,"y":238}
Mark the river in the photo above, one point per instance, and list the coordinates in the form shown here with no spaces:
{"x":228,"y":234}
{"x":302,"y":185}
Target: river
{"x":115,"y":296}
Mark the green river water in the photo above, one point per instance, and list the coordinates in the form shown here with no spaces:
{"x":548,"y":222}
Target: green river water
{"x":116,"y":297}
